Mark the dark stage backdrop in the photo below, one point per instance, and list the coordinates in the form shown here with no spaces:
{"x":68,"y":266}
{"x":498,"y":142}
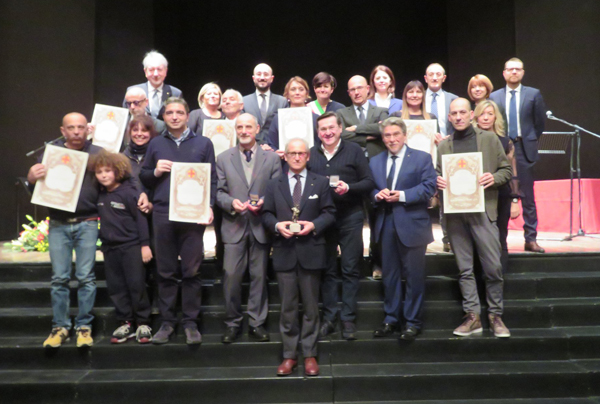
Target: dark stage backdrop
{"x":65,"y":55}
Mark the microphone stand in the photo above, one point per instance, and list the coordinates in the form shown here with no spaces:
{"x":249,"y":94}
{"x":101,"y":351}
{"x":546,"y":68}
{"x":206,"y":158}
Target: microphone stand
{"x":580,"y":232}
{"x":32,"y":152}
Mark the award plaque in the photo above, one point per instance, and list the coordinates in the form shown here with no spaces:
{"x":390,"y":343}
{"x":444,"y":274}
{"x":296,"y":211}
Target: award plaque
{"x":295,"y":227}
{"x":420,"y":135}
{"x":221,"y":133}
{"x":463,"y":194}
{"x":334,"y":180}
{"x":190,"y":193}
{"x":295,"y":123}
{"x":110,"y":125}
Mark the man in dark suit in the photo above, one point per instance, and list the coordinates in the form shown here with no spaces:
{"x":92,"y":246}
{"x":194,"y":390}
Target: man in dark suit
{"x":263,"y":103}
{"x":347,"y":161}
{"x":361,"y":120}
{"x":298,"y":208}
{"x":404,"y":183}
{"x":477,"y":229}
{"x":243,"y":172}
{"x":525,"y":114}
{"x":155,"y":68}
{"x":437,"y":101}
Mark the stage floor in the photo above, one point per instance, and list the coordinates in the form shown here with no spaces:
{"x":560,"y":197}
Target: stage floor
{"x":550,"y":241}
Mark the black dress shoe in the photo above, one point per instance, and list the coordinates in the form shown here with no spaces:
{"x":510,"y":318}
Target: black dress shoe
{"x":231,"y":334}
{"x":259,"y":334}
{"x":327,"y":328}
{"x":349,"y":331}
{"x":385,"y":330}
{"x":410,"y":333}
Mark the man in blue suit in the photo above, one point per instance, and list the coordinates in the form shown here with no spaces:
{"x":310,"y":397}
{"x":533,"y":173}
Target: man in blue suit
{"x":155,"y":68}
{"x":437,"y":101}
{"x":404,"y":182}
{"x":525,"y":114}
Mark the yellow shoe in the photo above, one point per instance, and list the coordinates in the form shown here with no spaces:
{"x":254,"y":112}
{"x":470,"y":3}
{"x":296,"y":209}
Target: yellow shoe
{"x":56,"y":337}
{"x":84,"y":337}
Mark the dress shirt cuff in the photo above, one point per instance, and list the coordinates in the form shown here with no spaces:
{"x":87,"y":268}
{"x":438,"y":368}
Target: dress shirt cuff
{"x":402,"y":197}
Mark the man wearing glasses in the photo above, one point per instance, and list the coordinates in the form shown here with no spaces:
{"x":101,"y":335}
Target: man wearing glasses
{"x":298,"y":208}
{"x":137,"y":102}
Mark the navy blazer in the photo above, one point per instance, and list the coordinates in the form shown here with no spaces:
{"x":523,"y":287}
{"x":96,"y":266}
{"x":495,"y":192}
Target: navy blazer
{"x":417,"y":178}
{"x":316,"y":206}
{"x":168,"y":91}
{"x":532,"y":117}
{"x":395,"y":105}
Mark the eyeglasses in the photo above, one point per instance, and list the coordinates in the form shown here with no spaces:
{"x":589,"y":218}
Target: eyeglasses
{"x":297,"y":154}
{"x":517,"y":69}
{"x":356,"y":89}
{"x":136,"y":103}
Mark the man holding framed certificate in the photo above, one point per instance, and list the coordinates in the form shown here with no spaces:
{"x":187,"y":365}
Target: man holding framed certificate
{"x":480,"y":157}
{"x":173,"y":239}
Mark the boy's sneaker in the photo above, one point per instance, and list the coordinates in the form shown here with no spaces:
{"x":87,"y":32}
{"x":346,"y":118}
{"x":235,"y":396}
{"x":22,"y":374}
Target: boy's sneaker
{"x":84,"y":336}
{"x":143,"y":334}
{"x":470,"y":325}
{"x":56,"y":337}
{"x":122,"y":334}
{"x":497,"y":326}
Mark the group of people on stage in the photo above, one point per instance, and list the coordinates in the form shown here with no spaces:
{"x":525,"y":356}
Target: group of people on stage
{"x":297,"y":203}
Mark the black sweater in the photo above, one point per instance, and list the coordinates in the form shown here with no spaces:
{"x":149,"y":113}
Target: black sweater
{"x":194,"y":149}
{"x":121,"y":222}
{"x":350,"y":163}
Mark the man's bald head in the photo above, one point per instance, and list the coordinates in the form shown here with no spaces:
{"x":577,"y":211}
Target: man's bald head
{"x":263,"y":77}
{"x":358,"y":90}
{"x":74,"y":129}
{"x":137,"y":101}
{"x":460,"y":114}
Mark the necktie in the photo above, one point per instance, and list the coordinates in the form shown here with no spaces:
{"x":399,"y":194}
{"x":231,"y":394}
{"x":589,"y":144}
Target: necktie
{"x":513,"y":124}
{"x":155,"y":104}
{"x":433,"y":108}
{"x":263,"y":107}
{"x":297,"y":195}
{"x":361,"y":115}
{"x":390,"y":177}
{"x":248,"y":154}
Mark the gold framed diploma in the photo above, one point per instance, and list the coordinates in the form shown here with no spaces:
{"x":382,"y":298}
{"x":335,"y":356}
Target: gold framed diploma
{"x":463,"y":194}
{"x":110,"y":124}
{"x":221,"y":133}
{"x":65,"y":171}
{"x":295,"y":123}
{"x":420,"y":135}
{"x":190,"y":193}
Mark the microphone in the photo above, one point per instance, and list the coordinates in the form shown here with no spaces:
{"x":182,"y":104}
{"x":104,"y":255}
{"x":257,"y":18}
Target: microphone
{"x":549,"y":114}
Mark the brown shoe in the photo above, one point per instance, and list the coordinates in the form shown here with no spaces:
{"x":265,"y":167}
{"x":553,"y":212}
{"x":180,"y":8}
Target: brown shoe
{"x":446,"y":247}
{"x":533,"y":246}
{"x":498,"y":327}
{"x":286,"y":367}
{"x":470,"y":325}
{"x":311,"y":367}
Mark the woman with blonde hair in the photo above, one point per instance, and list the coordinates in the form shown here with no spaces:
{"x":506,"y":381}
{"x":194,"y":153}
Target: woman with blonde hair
{"x":209,"y":100}
{"x":487,"y":116}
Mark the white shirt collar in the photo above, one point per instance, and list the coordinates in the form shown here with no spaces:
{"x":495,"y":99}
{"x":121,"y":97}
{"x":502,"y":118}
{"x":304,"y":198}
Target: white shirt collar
{"x":152,"y":89}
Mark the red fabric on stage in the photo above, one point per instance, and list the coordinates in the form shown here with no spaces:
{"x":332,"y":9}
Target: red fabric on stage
{"x":552,"y":201}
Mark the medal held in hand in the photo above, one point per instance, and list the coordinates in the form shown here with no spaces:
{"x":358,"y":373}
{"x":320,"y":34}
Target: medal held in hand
{"x":295,"y":227}
{"x":254,"y":198}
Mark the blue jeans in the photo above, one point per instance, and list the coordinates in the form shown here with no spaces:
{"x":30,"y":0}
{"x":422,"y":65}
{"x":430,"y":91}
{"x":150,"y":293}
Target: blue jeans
{"x":63,"y":238}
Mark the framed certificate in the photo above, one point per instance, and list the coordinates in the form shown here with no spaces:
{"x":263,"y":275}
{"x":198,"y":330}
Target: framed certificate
{"x":65,"y":170}
{"x":110,"y":124}
{"x":190,"y":193}
{"x":295,"y":123}
{"x":463,"y":194}
{"x":420,"y":135}
{"x":221,"y":132}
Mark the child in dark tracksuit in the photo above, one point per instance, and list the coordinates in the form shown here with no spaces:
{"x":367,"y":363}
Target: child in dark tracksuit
{"x":125,"y":245}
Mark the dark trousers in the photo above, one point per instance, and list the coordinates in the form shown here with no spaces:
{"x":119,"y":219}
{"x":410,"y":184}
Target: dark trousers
{"x":173,"y":240}
{"x":525,"y":174}
{"x":504,"y":203}
{"x":347,"y":233}
{"x":126,"y":283}
{"x":293,"y":284}
{"x":400,"y":261}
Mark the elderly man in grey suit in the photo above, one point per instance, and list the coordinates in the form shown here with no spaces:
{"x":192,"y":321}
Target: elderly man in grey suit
{"x":263,"y":103}
{"x":477,"y":229}
{"x":437,"y":101}
{"x":361,"y":120}
{"x":155,"y":68}
{"x":243,"y":172}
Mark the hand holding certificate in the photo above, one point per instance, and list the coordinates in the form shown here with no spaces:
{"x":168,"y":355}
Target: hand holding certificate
{"x":109,"y":126}
{"x":464,"y":192}
{"x":190,"y":193}
{"x":65,"y":170}
{"x":295,"y":123}
{"x":221,"y":133}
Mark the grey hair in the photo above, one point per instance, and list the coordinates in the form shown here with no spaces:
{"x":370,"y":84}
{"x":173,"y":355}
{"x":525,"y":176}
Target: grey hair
{"x":395,"y":121}
{"x":304,"y":142}
{"x":135,"y":91}
{"x":237,"y":94}
{"x":154,"y":58}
